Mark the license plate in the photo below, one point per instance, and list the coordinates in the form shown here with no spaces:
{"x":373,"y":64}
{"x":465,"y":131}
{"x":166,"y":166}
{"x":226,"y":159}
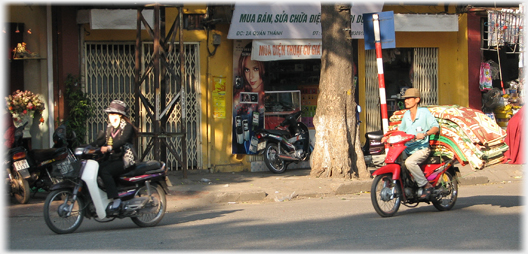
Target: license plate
{"x":261,"y":146}
{"x":21,"y":165}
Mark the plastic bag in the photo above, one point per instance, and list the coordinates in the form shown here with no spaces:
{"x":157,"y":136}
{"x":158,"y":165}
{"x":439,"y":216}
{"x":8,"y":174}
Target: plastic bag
{"x":485,"y":82}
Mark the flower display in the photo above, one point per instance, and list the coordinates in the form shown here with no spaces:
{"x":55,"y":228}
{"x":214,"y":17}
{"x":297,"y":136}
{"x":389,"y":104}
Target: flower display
{"x":24,"y":103}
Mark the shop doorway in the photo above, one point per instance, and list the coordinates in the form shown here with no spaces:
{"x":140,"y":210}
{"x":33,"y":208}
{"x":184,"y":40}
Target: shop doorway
{"x":403,"y":68}
{"x":109,"y":74}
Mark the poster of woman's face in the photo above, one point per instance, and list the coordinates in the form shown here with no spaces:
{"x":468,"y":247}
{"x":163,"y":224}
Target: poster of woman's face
{"x":249,"y":79}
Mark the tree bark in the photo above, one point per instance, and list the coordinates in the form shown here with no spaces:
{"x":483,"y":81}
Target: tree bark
{"x":337,"y":150}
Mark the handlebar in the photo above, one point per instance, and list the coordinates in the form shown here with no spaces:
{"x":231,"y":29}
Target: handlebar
{"x":89,"y":152}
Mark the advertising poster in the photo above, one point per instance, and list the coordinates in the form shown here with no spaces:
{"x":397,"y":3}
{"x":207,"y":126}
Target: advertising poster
{"x":274,"y":21}
{"x":249,"y":79}
{"x":219,"y":93}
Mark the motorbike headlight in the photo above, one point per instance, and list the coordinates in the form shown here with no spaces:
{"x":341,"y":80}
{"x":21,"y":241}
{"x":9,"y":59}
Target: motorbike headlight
{"x":79,"y":151}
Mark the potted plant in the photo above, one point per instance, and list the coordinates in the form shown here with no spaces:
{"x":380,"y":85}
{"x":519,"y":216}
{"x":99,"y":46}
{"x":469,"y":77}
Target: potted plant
{"x":79,"y":109}
{"x":24,"y":106}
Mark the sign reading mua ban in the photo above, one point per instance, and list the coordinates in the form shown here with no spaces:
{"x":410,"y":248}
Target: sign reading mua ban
{"x":276,"y":21}
{"x":271,"y":50}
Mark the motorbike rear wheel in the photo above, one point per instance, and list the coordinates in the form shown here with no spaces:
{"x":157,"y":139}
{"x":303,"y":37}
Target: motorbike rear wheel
{"x":154,"y":210}
{"x":449,"y":192}
{"x":20,"y":189}
{"x":385,"y":195}
{"x":56,"y":209}
{"x":272,"y":160}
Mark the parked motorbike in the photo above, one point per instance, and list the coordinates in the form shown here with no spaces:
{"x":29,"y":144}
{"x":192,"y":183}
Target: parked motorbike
{"x":42,"y":161}
{"x":17,"y":168}
{"x":142,"y":191}
{"x":374,"y":149}
{"x":394,"y":185}
{"x":288,"y":142}
{"x":35,"y":165}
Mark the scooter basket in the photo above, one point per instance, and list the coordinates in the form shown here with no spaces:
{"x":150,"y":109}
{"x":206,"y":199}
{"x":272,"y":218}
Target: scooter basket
{"x":64,"y":168}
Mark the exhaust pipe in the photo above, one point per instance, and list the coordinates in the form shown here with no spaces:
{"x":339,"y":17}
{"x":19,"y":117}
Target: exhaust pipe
{"x":288,"y":158}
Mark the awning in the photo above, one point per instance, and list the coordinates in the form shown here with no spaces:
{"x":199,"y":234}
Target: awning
{"x":118,"y":19}
{"x":425,"y":22}
{"x":271,"y":50}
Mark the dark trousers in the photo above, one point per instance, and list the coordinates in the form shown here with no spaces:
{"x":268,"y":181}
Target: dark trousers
{"x":107,"y":171}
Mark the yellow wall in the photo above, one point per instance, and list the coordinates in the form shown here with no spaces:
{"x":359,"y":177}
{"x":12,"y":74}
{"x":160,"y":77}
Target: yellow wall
{"x":452,"y":62}
{"x":216,"y":133}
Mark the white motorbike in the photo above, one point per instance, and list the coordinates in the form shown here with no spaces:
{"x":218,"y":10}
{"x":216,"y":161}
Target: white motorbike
{"x":80,"y":194}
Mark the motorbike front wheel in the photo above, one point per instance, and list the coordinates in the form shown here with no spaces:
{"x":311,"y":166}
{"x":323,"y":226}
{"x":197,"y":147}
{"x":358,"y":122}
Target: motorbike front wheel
{"x":385,"y":195}
{"x":272,"y":160}
{"x":61,"y":213}
{"x":20,"y":189}
{"x":448,"y":187}
{"x":155,"y":208}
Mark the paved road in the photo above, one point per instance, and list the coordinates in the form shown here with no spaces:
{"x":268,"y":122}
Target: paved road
{"x":485,"y":217}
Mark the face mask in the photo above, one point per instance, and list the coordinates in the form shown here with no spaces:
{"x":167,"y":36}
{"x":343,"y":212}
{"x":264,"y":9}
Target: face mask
{"x":114,"y":119}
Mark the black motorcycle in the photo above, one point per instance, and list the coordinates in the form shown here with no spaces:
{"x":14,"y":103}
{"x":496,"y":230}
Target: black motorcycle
{"x":80,"y":195}
{"x":38,"y":163}
{"x":17,"y":167}
{"x":42,"y":161}
{"x":374,"y":149}
{"x":289,"y":142}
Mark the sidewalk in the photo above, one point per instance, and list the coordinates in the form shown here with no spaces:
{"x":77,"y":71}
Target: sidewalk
{"x":237,"y":187}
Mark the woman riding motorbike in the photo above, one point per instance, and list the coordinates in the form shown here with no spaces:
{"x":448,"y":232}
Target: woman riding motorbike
{"x":118,"y":142}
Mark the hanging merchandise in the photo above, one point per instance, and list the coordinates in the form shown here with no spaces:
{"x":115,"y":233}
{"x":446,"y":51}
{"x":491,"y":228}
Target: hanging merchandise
{"x":494,"y":69}
{"x":504,"y":27}
{"x":485,"y":82}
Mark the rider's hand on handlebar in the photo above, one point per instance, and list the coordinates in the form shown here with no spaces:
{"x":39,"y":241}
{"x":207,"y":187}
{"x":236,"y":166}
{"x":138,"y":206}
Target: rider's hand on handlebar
{"x":105,"y":149}
{"x":420,"y":136}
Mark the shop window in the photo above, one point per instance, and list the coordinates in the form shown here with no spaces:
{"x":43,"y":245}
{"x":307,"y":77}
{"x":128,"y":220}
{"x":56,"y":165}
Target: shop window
{"x":302,"y":75}
{"x":193,"y":21}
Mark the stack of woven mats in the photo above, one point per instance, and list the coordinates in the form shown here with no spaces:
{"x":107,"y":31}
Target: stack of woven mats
{"x":465,"y":134}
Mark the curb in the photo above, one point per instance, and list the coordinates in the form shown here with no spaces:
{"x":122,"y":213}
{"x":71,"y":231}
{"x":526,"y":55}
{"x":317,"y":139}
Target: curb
{"x":243,"y":196}
{"x":338,"y":189}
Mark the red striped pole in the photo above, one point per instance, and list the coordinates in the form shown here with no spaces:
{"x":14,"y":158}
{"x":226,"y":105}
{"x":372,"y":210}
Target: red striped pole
{"x":381,"y":76}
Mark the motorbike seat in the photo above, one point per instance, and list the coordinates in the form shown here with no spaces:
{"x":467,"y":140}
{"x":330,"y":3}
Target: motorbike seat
{"x":435,"y":160}
{"x":40,"y":155}
{"x":146,"y":167}
{"x":375,"y":135}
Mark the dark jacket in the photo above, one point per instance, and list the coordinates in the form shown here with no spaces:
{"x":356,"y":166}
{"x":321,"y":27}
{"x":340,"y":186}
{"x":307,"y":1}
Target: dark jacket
{"x":121,"y":139}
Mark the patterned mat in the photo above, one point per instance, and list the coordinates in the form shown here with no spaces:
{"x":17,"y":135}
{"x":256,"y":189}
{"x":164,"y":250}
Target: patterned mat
{"x":466,"y":134}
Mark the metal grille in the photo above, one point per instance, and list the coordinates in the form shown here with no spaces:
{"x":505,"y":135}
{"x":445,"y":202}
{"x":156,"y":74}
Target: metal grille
{"x":109,"y":75}
{"x":372,"y":99}
{"x":425,"y":66}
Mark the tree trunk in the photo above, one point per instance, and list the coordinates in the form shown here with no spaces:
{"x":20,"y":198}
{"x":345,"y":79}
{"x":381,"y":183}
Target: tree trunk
{"x":337,"y":149}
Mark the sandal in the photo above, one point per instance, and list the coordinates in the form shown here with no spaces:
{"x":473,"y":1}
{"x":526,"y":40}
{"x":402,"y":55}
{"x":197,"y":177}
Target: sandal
{"x":427,"y":189}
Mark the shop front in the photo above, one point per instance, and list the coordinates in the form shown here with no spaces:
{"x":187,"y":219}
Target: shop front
{"x":285,"y":40}
{"x":276,"y":68}
{"x":501,"y":67}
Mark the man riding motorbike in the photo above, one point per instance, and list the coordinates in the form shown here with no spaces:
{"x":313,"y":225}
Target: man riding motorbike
{"x":420,"y":122}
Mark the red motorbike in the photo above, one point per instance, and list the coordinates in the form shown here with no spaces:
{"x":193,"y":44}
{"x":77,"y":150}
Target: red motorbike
{"x":394,"y":185}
